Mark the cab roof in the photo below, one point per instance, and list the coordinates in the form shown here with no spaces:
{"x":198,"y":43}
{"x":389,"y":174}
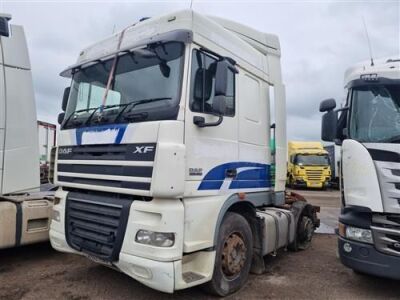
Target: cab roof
{"x":242,"y":43}
{"x":388,"y":67}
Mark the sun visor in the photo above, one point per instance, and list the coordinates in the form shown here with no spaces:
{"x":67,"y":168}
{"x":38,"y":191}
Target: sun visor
{"x":184,"y":36}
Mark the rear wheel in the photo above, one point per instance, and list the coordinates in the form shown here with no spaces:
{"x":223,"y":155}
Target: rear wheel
{"x":304,"y":234}
{"x":233,"y":256}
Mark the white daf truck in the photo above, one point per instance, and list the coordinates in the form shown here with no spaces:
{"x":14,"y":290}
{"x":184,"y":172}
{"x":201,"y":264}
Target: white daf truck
{"x":25,"y":213}
{"x":369,"y":131}
{"x":164,"y":159}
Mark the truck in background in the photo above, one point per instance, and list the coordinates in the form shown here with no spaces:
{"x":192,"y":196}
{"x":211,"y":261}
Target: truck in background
{"x":334,"y":159}
{"x":368,"y":130}
{"x":308,"y":165}
{"x":25,"y":213}
{"x":165,"y":173}
{"x":47,"y":133}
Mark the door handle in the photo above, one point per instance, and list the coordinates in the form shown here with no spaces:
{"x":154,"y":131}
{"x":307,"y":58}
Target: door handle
{"x":231,"y":173}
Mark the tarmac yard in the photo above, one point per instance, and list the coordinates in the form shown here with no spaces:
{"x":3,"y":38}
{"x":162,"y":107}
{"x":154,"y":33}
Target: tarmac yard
{"x":38,"y":272}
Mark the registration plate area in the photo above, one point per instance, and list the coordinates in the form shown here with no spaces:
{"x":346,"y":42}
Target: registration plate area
{"x":98,"y":260}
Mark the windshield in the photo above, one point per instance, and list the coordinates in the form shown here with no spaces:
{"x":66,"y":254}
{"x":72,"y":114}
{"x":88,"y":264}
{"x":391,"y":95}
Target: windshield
{"x":145,"y":87}
{"x":311,"y":160}
{"x":375,"y":113}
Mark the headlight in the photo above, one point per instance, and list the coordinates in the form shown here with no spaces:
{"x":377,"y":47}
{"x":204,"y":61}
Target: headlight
{"x":356,"y":234}
{"x":158,"y":239}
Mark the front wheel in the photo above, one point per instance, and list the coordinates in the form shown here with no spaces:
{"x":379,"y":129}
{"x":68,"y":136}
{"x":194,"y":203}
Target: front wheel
{"x":233,"y":256}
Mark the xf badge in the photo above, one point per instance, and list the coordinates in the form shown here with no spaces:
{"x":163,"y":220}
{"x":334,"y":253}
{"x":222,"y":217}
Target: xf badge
{"x":143,"y":149}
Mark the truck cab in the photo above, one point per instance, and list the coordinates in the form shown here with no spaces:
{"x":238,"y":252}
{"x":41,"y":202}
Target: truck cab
{"x":368,"y":130}
{"x":163,"y":157}
{"x":308,"y":165}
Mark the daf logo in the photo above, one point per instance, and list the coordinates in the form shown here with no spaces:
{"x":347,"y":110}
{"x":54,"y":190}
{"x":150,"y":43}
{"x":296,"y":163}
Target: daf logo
{"x":64,"y":150}
{"x":143,"y":149}
{"x":396,"y":245}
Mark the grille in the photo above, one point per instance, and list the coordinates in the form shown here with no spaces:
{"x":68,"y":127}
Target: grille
{"x":314,"y":175}
{"x":125,"y":167}
{"x":96,"y":224}
{"x":386,"y":234}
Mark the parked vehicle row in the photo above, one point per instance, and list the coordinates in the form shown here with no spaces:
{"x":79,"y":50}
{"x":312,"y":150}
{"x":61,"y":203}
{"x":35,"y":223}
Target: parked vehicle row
{"x":170,"y":168}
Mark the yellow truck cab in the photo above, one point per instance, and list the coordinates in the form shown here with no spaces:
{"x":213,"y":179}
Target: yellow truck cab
{"x":308,"y":165}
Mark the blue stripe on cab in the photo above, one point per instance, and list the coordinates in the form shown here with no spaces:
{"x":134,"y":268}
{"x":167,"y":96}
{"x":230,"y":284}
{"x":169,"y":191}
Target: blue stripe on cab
{"x":255,"y":175}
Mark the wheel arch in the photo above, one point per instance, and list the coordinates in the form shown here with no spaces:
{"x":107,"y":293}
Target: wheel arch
{"x":234,"y":204}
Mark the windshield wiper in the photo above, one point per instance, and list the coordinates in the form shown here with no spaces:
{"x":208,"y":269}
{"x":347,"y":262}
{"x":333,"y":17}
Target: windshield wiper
{"x":102,"y":107}
{"x":75,"y":112}
{"x":135,"y":103}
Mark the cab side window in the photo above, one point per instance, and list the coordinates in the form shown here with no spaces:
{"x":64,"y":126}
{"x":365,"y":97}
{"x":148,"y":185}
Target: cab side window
{"x":203,"y":85}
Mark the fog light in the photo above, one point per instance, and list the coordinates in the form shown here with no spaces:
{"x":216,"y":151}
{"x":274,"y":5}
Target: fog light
{"x":55,"y":215}
{"x":158,"y":239}
{"x":347,"y":247}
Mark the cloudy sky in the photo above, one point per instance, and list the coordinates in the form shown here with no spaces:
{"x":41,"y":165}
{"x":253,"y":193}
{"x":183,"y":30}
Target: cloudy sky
{"x":319,"y":40}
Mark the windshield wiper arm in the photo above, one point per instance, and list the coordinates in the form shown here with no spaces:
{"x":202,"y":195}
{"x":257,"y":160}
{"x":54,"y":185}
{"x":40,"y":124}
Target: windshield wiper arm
{"x":135,"y":103}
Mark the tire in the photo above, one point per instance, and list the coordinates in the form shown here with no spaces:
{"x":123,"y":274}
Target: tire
{"x":233,"y":258}
{"x":304,"y":233}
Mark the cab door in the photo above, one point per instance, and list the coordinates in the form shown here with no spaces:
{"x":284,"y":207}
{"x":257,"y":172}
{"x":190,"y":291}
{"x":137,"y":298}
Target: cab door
{"x":211,"y":151}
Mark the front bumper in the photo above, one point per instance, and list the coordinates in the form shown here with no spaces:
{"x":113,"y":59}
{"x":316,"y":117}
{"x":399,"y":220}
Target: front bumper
{"x":155,"y":274}
{"x":302,"y":183}
{"x":163,"y":269}
{"x":164,"y":276}
{"x":366,"y":259}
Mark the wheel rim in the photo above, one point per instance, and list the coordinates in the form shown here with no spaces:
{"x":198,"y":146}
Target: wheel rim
{"x":233,"y":255}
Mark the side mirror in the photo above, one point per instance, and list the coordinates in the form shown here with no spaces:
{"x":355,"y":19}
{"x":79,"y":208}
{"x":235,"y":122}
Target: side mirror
{"x":221,"y":76}
{"x":329,"y":126}
{"x":65,"y":98}
{"x":61,"y":117}
{"x":4,"y":28}
{"x":327,"y":105}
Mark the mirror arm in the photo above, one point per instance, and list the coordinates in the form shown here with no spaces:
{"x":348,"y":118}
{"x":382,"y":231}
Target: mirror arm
{"x":343,"y":109}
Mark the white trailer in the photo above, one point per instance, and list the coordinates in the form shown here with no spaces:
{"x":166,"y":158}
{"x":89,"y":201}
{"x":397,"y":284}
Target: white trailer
{"x":164,"y":158}
{"x":47,"y":140}
{"x":24,"y":211}
{"x":368,"y":131}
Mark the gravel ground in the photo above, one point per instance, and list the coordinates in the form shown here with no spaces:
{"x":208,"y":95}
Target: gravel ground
{"x":38,"y":272}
